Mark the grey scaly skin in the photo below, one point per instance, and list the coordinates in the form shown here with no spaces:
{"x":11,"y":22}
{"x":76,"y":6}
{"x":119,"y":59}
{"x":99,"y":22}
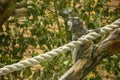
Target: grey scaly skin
{"x":77,"y":29}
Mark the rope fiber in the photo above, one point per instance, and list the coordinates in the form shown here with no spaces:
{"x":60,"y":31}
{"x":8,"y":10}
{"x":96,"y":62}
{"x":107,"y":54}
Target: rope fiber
{"x":60,"y":50}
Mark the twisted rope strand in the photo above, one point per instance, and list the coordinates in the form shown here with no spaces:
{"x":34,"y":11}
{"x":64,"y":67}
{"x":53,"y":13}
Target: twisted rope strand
{"x":51,"y":54}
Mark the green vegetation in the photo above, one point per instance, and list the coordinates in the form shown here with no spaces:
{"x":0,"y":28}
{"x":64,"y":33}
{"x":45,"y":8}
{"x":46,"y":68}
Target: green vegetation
{"x":46,"y":27}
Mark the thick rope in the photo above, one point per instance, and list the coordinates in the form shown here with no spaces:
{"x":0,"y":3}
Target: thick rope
{"x":67,"y":47}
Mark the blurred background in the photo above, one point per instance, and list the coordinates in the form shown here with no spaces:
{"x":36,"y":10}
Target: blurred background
{"x":33,"y":27}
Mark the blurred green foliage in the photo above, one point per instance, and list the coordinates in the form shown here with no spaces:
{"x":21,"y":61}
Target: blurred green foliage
{"x":47,"y":27}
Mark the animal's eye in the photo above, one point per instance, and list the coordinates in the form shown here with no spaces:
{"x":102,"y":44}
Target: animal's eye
{"x":74,"y":30}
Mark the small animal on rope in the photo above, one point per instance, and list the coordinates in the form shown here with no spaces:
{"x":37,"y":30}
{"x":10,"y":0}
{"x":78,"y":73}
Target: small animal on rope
{"x":78,"y":29}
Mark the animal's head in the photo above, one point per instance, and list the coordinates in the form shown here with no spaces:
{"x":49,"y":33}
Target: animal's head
{"x":75,"y":23}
